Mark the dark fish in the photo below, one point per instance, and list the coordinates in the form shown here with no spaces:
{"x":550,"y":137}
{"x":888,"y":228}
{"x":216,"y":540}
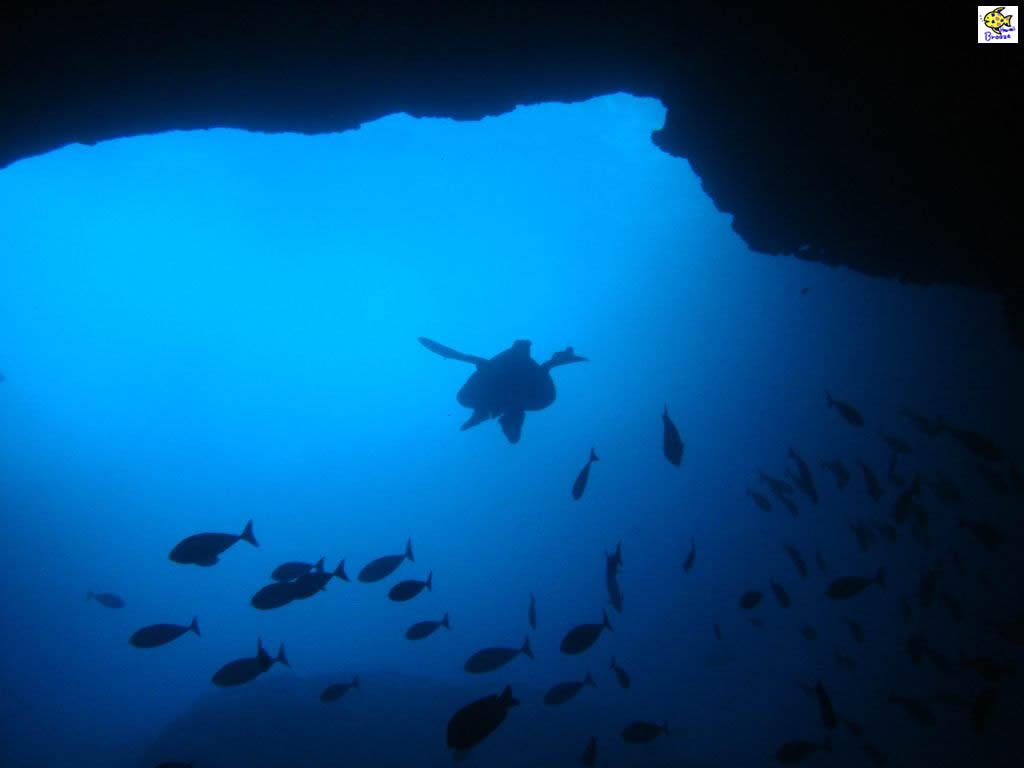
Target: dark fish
{"x":898,"y":444}
{"x":788,"y":503}
{"x":760,"y":500}
{"x":993,"y":479}
{"x":902,"y":507}
{"x":780,"y":594}
{"x":978,"y":444}
{"x":589,"y":756}
{"x":750,"y":599}
{"x":920,"y":522}
{"x":828,"y":714}
{"x":615,"y":593}
{"x":990,"y":538}
{"x":248,"y":668}
{"x":408,"y":589}
{"x":805,"y":482}
{"x":820,"y":560}
{"x":871,"y":481}
{"x":621,"y":675}
{"x":985,"y":579}
{"x":581,"y":479}
{"x":918,"y":710}
{"x":840,"y":471}
{"x":895,"y":479}
{"x":847,"y":411}
{"x":957,"y":561}
{"x":532,"y":612}
{"x":797,"y":750}
{"x":917,"y":644}
{"x":864,"y":536}
{"x":952,"y":699}
{"x":691,"y":557}
{"x":930,"y":427}
{"x":874,"y":755}
{"x":846,"y":661}
{"x":919,"y":528}
{"x":640,"y":732}
{"x":905,"y":609}
{"x":984,"y":704}
{"x":478,"y":719}
{"x":615,"y":560}
{"x":580,"y":638}
{"x":720,"y":653}
{"x":383,"y":567}
{"x":276,"y":595}
{"x":671,"y":443}
{"x":941,"y":662}
{"x":205,"y":548}
{"x":490,"y":659}
{"x":1011,"y":630}
{"x":777,"y":486}
{"x":855,"y":629}
{"x":308,"y":584}
{"x":804,"y":290}
{"x":808,"y":632}
{"x":160,"y":634}
{"x":920,"y":533}
{"x":952,"y":604}
{"x":888,"y":529}
{"x":292,"y":570}
{"x":1017,"y":479}
{"x":106,"y":599}
{"x":927,"y":586}
{"x":851,"y":586}
{"x":794,"y":479}
{"x":990,"y":670}
{"x":563,"y":692}
{"x":422,"y":629}
{"x":337,"y":690}
{"x":798,"y":560}
{"x":945,"y":491}
{"x":612,"y":565}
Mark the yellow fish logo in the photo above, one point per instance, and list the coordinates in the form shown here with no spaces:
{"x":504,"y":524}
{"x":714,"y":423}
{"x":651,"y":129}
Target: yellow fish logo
{"x":995,"y":21}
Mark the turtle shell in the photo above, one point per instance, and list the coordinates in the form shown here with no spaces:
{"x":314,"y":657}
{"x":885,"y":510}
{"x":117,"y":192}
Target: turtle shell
{"x":509,"y":381}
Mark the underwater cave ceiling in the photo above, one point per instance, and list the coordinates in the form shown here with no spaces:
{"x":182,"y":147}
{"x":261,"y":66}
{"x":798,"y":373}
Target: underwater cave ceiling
{"x":833,"y":134}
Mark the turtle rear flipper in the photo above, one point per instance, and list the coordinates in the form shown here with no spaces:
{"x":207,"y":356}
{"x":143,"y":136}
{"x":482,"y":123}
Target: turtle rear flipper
{"x":478,"y":416}
{"x":512,"y":424}
{"x":449,"y":353}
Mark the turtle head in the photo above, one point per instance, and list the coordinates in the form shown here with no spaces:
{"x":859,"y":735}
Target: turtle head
{"x":564,"y":357}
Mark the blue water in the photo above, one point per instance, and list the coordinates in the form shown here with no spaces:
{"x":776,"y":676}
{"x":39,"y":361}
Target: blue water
{"x":202,"y":328}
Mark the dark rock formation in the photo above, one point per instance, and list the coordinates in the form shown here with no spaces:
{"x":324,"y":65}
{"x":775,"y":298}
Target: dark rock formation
{"x":864,"y":136}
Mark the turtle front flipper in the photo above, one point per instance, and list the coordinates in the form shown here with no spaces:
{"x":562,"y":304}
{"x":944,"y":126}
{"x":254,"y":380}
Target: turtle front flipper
{"x":449,"y":353}
{"x":478,"y":416}
{"x":564,"y":357}
{"x":512,"y":424}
